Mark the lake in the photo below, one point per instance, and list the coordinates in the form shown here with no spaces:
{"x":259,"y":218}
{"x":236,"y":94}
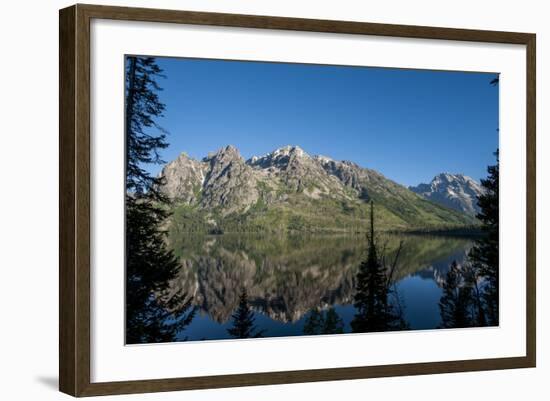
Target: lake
{"x":286,"y":277}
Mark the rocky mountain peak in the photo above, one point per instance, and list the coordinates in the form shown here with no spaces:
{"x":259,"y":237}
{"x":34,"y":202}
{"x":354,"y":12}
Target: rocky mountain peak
{"x":323,"y":159}
{"x":348,"y":172}
{"x":297,"y":171}
{"x":289,"y":150}
{"x":184,"y":178}
{"x":444,"y":180}
{"x":288,"y":182}
{"x":229,"y":183}
{"x":224,"y":155}
{"x":457,"y":191}
{"x":183,"y":156}
{"x":280,"y":157}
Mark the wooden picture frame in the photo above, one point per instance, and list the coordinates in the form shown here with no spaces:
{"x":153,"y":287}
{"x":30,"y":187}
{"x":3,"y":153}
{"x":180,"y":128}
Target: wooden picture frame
{"x":74,"y":199}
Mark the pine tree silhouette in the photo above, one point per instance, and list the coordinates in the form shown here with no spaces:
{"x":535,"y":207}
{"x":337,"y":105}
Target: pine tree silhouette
{"x":243,"y":320}
{"x":151,"y":314}
{"x":472,"y":279}
{"x":484,"y":255}
{"x":333,"y":323}
{"x":320,"y":322}
{"x":314,"y":322}
{"x":374,"y":312}
{"x":456,"y":304}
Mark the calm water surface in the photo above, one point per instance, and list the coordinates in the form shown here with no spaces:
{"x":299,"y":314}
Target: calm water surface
{"x":288,"y":276}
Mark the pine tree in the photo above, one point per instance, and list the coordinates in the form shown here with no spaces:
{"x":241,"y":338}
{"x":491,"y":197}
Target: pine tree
{"x":320,"y":322}
{"x":374,"y":311}
{"x":144,"y":137}
{"x":471,"y":279}
{"x":333,"y":323}
{"x":457,"y":301}
{"x":151,"y":315}
{"x":314,"y":322}
{"x":243,"y":319}
{"x":484,"y":255}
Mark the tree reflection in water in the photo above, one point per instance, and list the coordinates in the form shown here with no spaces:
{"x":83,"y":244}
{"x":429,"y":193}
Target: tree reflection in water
{"x":471,"y":290}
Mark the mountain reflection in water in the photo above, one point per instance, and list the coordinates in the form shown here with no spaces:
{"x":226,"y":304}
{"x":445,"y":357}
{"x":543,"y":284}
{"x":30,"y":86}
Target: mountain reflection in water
{"x":286,"y":277}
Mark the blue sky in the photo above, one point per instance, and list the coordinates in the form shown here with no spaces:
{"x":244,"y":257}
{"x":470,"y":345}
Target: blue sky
{"x":408,"y":124}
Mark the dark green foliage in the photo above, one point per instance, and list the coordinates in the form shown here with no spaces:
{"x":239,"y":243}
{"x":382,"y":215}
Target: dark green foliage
{"x":471,"y":293}
{"x":457,"y":303}
{"x":187,"y":219}
{"x":152,"y":315}
{"x":243,"y":320}
{"x":333,"y":323}
{"x":375,"y":312}
{"x":144,"y":138}
{"x":484,"y":255}
{"x":472,"y":279}
{"x":320,"y":322}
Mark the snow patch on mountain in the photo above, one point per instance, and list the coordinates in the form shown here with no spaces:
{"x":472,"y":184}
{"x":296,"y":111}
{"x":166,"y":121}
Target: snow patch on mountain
{"x":456,"y":191}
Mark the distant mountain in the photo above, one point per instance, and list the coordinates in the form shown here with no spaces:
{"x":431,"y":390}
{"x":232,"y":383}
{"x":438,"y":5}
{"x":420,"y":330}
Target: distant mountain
{"x":456,"y":191}
{"x":289,"y":190}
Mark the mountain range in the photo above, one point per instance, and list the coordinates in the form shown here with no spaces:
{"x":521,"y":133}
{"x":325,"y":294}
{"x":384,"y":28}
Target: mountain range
{"x":290,"y":190}
{"x":455,"y":191}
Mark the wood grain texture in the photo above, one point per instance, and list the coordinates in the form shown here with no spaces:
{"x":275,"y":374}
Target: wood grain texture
{"x":82,"y":199}
{"x":301,"y":24}
{"x":74,"y":199}
{"x":531,"y":228}
{"x":302,"y":376}
{"x":67,"y":131}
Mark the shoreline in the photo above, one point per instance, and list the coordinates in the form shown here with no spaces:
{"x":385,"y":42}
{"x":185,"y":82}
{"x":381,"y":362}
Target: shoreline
{"x":465,"y":232}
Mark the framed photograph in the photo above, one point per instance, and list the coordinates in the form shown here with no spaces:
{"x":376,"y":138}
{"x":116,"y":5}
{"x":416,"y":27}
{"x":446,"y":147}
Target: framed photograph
{"x":250,"y":200}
